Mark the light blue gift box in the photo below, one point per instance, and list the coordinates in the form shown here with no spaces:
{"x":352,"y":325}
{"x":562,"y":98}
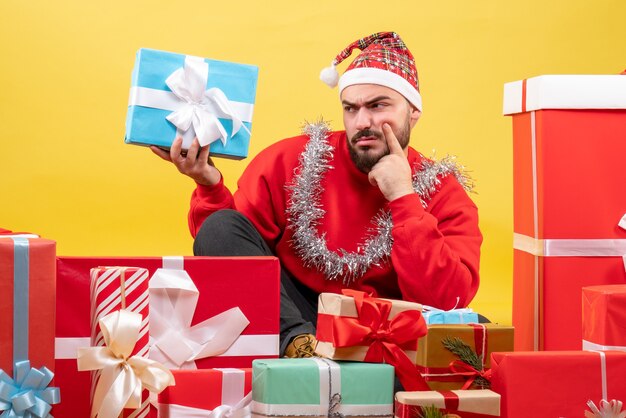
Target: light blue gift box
{"x":454,"y":316}
{"x":151,"y":101}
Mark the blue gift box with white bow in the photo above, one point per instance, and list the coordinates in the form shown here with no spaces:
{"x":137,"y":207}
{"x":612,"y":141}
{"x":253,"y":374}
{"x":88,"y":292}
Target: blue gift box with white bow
{"x":175,"y":95}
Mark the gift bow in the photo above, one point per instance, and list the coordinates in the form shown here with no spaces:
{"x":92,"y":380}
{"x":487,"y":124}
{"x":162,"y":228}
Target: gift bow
{"x":608,"y":409}
{"x":384,"y":337}
{"x":201,"y":108}
{"x":240,"y":410}
{"x":175,"y":343}
{"x":461,"y":368}
{"x":123,"y":377}
{"x":28,"y":395}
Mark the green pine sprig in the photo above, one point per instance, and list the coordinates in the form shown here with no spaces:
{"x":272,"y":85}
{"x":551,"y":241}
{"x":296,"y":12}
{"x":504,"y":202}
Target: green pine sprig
{"x":468,"y":356}
{"x":430,"y":412}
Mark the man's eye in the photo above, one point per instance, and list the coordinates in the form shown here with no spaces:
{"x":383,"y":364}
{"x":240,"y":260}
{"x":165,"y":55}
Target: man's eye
{"x":348,"y":108}
{"x":378,"y":105}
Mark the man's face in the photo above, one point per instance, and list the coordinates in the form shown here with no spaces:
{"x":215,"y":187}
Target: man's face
{"x":366,"y":107}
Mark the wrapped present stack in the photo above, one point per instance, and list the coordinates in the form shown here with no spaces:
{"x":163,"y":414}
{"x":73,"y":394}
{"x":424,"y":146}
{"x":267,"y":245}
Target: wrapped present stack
{"x":199,"y":318}
{"x":570,"y":241}
{"x":568,"y":143}
{"x":177,"y":337}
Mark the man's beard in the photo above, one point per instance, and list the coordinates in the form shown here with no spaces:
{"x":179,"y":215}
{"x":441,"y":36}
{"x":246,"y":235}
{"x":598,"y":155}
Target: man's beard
{"x":364,"y":159}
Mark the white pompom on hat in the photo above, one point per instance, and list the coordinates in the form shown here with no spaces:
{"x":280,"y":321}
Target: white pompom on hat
{"x":384,"y":60}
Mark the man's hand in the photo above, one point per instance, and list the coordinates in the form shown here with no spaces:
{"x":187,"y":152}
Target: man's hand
{"x":196,"y":164}
{"x":392,"y":173}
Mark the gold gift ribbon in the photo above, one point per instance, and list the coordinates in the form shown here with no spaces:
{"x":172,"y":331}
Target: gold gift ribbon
{"x":122,"y":377}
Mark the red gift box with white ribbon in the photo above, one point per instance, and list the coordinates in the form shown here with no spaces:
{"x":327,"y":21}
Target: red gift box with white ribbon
{"x":553,"y":384}
{"x":27,"y":291}
{"x":220,"y":392}
{"x":224,"y":291}
{"x":569,"y":200}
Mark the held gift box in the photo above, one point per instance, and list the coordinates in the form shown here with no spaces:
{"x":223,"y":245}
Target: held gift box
{"x":480,"y":403}
{"x":348,"y":322}
{"x":223,"y":284}
{"x":175,"y":95}
{"x":553,"y":384}
{"x":443,"y":370}
{"x":202,"y":392}
{"x":568,"y":192}
{"x":317,"y":387}
{"x":604,"y":317}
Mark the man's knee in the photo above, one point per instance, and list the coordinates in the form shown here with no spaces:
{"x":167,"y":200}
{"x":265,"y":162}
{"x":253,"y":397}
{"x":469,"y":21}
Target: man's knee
{"x":221,"y":223}
{"x":226,"y":233}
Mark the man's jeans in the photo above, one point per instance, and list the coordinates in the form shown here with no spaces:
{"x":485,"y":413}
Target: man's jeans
{"x":229,"y":233}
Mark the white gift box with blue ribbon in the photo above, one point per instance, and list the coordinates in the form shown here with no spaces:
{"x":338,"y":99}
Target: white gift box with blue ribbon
{"x":175,"y":95}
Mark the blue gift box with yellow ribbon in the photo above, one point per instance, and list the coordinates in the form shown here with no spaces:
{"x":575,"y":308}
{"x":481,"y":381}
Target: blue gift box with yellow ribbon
{"x":174,"y":95}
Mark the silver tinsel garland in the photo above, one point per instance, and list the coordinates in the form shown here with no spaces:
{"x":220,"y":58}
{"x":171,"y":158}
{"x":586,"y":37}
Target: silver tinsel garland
{"x":305,"y":210}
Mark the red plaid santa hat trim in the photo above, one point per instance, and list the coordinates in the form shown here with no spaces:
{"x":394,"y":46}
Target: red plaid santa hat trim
{"x":384,"y":60}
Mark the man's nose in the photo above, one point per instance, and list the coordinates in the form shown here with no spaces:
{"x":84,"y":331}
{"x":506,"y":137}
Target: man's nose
{"x":363,"y":119}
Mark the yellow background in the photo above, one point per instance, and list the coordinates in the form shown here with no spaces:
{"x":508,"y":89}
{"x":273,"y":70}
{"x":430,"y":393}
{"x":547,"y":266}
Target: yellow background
{"x":66,"y":173}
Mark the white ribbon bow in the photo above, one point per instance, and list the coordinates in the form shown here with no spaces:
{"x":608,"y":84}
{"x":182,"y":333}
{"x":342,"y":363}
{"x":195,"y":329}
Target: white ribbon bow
{"x":240,"y":410}
{"x":202,"y":108}
{"x":174,"y":342}
{"x":608,"y":409}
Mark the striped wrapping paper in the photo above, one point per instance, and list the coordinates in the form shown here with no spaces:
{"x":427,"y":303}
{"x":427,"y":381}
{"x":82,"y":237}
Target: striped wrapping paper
{"x":112,"y":289}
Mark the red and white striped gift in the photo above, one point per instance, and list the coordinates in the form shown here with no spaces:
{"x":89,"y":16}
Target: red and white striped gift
{"x":112,"y":289}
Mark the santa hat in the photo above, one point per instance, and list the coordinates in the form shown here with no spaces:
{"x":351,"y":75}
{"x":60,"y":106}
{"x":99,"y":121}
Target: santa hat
{"x":384,"y":60}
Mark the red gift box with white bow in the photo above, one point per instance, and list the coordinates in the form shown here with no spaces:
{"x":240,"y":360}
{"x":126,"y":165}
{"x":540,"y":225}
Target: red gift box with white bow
{"x":194,"y":337}
{"x":220,"y":392}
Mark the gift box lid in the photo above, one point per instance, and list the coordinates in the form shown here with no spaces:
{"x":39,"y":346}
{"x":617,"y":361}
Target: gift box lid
{"x":565,"y":92}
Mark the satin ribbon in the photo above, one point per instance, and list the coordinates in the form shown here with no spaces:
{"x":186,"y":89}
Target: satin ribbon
{"x":201,"y":108}
{"x":573,"y":247}
{"x":21,"y":279}
{"x":460,"y":368}
{"x":123,"y":377}
{"x":385,"y":338}
{"x":174,"y":342}
{"x":589,"y":346}
{"x":28,"y":395}
{"x":240,"y":410}
{"x":608,"y":409}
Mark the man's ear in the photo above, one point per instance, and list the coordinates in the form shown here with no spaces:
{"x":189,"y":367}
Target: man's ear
{"x":414,"y":116}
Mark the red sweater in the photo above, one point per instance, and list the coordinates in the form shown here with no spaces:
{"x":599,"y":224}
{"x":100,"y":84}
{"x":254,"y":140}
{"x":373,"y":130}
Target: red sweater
{"x":435,"y":253}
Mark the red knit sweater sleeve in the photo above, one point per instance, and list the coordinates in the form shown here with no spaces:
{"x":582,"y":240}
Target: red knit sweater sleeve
{"x":436,"y":251}
{"x":204,"y":201}
{"x":260,"y":194}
